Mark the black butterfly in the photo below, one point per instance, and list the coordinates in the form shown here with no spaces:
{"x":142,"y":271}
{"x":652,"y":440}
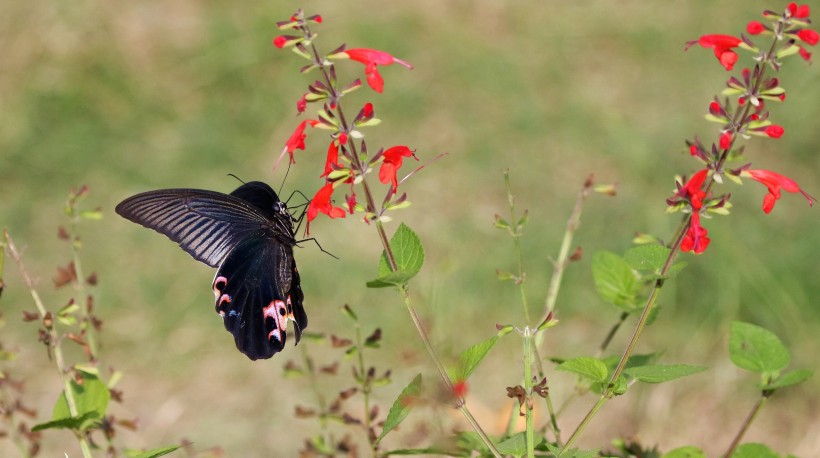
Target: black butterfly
{"x":248,"y":234}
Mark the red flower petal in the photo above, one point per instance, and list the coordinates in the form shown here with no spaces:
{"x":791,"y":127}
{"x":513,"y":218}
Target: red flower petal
{"x":754,"y":28}
{"x":775,"y":131}
{"x":280,"y":41}
{"x":774,"y":183}
{"x":809,"y":36}
{"x":725,"y":140}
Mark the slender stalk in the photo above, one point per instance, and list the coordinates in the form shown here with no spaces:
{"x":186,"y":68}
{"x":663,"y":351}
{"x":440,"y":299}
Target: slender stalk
{"x":611,"y":334}
{"x":528,"y":407}
{"x":320,"y":399}
{"x":79,"y":286}
{"x":516,"y":232}
{"x":54,"y":340}
{"x":365,"y":388}
{"x":746,"y":423}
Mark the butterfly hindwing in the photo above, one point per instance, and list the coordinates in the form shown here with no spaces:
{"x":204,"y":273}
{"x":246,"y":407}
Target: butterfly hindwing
{"x":249,"y":236}
{"x":257,"y":291}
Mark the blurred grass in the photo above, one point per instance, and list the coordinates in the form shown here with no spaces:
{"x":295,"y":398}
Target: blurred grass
{"x":131,"y":96}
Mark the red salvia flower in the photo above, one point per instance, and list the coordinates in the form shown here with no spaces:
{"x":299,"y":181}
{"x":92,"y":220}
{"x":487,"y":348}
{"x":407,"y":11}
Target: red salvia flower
{"x":801,"y":11}
{"x":725,"y":140}
{"x":372,"y":58}
{"x":301,"y":104}
{"x":332,"y":158}
{"x":393,"y":158}
{"x":696,"y":239}
{"x":692,"y":190}
{"x":722,"y":44}
{"x":297,"y":139}
{"x":775,"y":131}
{"x":775,"y":183}
{"x":280,"y":41}
{"x":321,"y":204}
{"x":809,"y":36}
{"x":804,"y":54}
{"x":755,"y":28}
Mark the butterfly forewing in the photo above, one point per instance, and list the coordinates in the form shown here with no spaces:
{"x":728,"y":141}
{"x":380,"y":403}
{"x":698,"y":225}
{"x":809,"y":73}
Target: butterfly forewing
{"x":249,"y":235}
{"x":206,"y":224}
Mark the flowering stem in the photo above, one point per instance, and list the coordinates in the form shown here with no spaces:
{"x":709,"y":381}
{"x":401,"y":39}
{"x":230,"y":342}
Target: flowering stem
{"x":365,"y":389}
{"x":748,"y":422}
{"x":88,"y":325}
{"x":54,"y":340}
{"x":516,"y":235}
{"x":391,"y":260}
{"x":639,"y":327}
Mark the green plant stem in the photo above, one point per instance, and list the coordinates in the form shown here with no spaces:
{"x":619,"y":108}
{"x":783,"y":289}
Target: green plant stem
{"x":365,"y":389}
{"x":611,"y":334}
{"x":639,"y":327}
{"x":54,"y":339}
{"x":79,"y":285}
{"x":320,"y":399}
{"x":528,"y":344}
{"x":746,"y":423}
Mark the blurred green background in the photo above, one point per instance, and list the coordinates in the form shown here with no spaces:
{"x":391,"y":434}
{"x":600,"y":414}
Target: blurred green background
{"x":131,"y":96}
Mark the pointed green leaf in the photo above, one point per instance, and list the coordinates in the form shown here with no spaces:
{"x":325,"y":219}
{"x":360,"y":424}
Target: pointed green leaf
{"x":587,"y":367}
{"x":469,"y":359}
{"x":74,"y":423}
{"x":91,"y":397}
{"x":754,"y":451}
{"x":789,"y":379}
{"x":649,"y":258}
{"x":151,"y":453}
{"x":409,"y":256}
{"x":756,"y":349}
{"x":402,"y":406}
{"x":662,"y":373}
{"x":615,"y":280}
{"x":688,"y":451}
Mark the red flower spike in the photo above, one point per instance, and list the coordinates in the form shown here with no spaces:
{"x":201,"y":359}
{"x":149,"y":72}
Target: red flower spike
{"x":809,"y":36}
{"x":775,"y":183}
{"x":321,"y":204}
{"x":725,"y":140}
{"x":775,"y":131}
{"x":372,"y":58}
{"x":696,"y":239}
{"x":722,"y":44}
{"x":393,"y":158}
{"x":755,"y":28}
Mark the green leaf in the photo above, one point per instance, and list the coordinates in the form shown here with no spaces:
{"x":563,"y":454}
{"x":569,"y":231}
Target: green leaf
{"x":409,"y":256}
{"x":689,"y":451}
{"x":615,"y":280}
{"x":151,"y":453}
{"x":515,"y":445}
{"x":756,"y":349}
{"x":789,"y":379}
{"x":662,"y":373}
{"x":587,"y":367}
{"x":754,"y":451}
{"x":469,"y":359}
{"x":74,"y":423}
{"x":402,"y":406}
{"x":91,"y":397}
{"x":650,"y":258}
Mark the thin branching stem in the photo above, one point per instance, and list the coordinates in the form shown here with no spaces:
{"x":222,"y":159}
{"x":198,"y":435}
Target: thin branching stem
{"x":54,"y":340}
{"x":747,"y":423}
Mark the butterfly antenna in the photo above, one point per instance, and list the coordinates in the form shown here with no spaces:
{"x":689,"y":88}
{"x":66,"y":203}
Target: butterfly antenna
{"x":237,"y":178}
{"x":312,"y":239}
{"x":287,"y":171}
